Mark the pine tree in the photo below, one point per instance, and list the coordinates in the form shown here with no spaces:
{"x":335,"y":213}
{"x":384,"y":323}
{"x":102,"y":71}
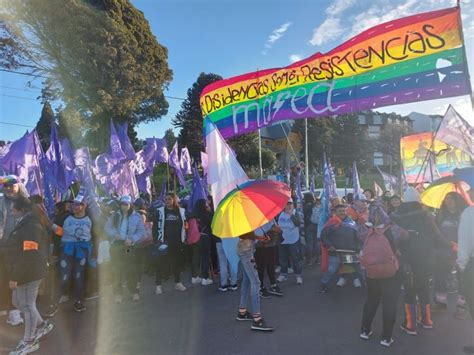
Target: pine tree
{"x":43,"y":127}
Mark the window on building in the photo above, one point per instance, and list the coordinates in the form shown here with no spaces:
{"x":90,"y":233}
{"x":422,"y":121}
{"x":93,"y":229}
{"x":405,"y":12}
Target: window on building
{"x":362,"y":119}
{"x":378,"y":158}
{"x":374,"y":131}
{"x":377,"y":119}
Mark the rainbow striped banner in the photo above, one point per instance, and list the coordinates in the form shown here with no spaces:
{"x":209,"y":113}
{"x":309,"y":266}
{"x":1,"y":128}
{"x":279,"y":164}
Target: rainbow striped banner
{"x":415,"y":58}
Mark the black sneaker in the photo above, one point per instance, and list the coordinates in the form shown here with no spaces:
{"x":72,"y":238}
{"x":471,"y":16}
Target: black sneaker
{"x":323,"y":289}
{"x":260,"y":325}
{"x":79,"y":307}
{"x":275,"y":290}
{"x":223,"y":288}
{"x":244,"y":317}
{"x":234,"y":287}
{"x":264,"y":293}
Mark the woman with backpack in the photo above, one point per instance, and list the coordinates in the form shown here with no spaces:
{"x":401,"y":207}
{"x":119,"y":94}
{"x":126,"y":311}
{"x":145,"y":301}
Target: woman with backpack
{"x":169,"y":234}
{"x":380,"y":258}
{"x":125,"y":228}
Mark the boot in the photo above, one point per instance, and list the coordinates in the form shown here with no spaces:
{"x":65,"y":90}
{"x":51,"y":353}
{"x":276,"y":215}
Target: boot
{"x":426,"y":321}
{"x":409,"y":325}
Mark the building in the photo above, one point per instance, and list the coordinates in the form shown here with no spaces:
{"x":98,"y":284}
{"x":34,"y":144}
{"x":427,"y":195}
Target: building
{"x":425,"y":123}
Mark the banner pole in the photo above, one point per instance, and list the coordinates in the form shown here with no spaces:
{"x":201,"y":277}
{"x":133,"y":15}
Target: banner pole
{"x":260,"y":153}
{"x":306,"y":152}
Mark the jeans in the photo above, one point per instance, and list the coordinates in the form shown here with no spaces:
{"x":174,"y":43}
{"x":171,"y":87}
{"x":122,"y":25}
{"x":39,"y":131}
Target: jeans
{"x":291,"y":251}
{"x":125,"y":266}
{"x":385,"y":291}
{"x":71,"y":267}
{"x":174,"y":259}
{"x":333,"y":267}
{"x":311,"y":249}
{"x":205,"y":253}
{"x":250,"y":282}
{"x":224,"y":267}
{"x":265,"y":257}
{"x":24,"y":299}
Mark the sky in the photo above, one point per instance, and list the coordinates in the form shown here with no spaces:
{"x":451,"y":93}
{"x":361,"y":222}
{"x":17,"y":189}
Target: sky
{"x":233,"y":37}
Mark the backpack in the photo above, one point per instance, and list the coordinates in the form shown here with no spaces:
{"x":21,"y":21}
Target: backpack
{"x":378,"y":257}
{"x":315,"y":214}
{"x":193,"y":232}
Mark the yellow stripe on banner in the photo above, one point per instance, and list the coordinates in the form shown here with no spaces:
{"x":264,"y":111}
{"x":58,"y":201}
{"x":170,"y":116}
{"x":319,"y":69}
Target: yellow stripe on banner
{"x":322,"y":69}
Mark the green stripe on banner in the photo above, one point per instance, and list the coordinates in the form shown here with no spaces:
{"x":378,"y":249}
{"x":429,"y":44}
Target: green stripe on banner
{"x":408,"y":67}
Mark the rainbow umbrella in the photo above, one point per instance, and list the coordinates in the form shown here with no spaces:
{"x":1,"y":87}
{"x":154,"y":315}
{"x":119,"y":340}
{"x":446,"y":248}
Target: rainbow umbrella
{"x":435,"y":194}
{"x":249,"y":206}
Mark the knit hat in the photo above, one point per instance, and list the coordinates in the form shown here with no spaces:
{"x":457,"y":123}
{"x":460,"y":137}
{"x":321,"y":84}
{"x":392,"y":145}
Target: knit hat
{"x":411,"y":195}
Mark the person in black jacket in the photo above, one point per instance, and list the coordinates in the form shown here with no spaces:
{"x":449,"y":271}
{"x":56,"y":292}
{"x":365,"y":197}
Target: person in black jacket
{"x":27,"y":256}
{"x":417,"y":258}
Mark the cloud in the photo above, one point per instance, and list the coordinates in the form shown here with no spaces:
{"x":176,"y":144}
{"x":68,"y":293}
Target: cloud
{"x":295,"y":58}
{"x":275,"y":36}
{"x":329,"y":30}
{"x":339,"y":6}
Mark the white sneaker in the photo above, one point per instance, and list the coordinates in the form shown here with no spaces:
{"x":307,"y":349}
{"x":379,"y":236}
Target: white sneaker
{"x":158,"y":290}
{"x":63,"y":299}
{"x":278,"y":269}
{"x":282,"y":278}
{"x":341,"y":282}
{"x":179,"y":287}
{"x":386,"y":342}
{"x":14,"y":318}
{"x":299,"y":280}
{"x":118,"y":299}
{"x":136,"y":297}
{"x":206,"y":282}
{"x":290,"y":270}
{"x":357,"y":283}
{"x":196,"y":280}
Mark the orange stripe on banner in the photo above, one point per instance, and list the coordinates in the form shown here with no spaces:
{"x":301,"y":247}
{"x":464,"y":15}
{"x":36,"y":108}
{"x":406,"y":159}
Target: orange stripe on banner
{"x":29,"y":245}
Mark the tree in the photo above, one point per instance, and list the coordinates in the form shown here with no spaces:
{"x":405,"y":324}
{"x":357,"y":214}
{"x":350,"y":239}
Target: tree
{"x":43,"y":127}
{"x":389,"y":142}
{"x":321,"y":134}
{"x":170,"y":139}
{"x":189,"y":117}
{"x":350,"y":143}
{"x":100,"y":57}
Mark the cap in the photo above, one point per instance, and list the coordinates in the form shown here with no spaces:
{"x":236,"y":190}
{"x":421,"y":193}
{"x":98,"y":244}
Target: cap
{"x":139,"y":203}
{"x":9,"y":180}
{"x":126,"y":199}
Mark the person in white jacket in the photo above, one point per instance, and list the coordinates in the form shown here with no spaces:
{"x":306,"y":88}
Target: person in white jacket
{"x":169,"y":232}
{"x":125,"y":228}
{"x":465,"y":259}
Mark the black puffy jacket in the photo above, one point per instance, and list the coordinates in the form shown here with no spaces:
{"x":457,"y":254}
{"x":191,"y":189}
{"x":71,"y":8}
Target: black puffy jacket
{"x":26,"y":251}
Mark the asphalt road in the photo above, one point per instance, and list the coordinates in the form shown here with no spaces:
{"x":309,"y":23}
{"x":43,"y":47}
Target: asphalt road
{"x":201,"y":321}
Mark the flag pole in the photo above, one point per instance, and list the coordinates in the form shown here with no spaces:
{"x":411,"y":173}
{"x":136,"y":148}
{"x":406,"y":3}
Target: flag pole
{"x":260,"y":153}
{"x":306,"y":152}
{"x":458,"y":5}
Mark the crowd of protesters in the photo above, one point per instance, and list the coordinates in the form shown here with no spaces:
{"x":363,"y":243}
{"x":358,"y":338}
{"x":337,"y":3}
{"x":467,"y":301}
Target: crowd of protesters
{"x":390,"y":245}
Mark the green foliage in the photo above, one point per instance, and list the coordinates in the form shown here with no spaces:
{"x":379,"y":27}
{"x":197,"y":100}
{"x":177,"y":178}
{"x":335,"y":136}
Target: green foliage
{"x":189,"y":118}
{"x":43,"y":127}
{"x":100,"y":57}
{"x":170,"y":139}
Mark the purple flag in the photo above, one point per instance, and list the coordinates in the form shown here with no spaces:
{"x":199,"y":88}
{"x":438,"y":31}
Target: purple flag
{"x":174,"y":163}
{"x":299,"y":192}
{"x":198,"y":192}
{"x":55,"y":171}
{"x":325,"y":197}
{"x":311,"y":185}
{"x":23,"y":158}
{"x":185,"y":161}
{"x":162,"y":155}
{"x":333,"y":186}
{"x":125,"y":143}
{"x":115,"y":148}
{"x":357,"y":191}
